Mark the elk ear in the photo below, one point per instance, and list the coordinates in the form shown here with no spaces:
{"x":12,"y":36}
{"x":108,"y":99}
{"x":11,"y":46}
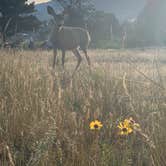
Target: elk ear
{"x":51,"y":11}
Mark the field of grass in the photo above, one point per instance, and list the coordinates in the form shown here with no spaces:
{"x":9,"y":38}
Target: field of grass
{"x":45,"y":114}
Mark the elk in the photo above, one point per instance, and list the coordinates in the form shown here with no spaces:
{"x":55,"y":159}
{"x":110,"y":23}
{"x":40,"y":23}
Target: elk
{"x":68,"y":38}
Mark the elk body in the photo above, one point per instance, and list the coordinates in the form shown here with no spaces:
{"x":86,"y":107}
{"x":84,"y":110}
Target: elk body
{"x":68,"y":38}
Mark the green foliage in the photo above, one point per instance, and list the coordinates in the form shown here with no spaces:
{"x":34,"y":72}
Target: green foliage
{"x":105,"y":30}
{"x":78,"y":12}
{"x":15,"y":7}
{"x":16,"y":10}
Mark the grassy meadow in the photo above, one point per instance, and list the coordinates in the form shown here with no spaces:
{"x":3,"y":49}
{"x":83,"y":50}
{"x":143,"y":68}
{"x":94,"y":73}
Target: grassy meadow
{"x":45,"y":114}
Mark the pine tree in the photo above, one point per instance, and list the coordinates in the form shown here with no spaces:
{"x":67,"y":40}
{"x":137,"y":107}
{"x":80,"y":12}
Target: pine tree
{"x":78,"y":11}
{"x":13,"y":14}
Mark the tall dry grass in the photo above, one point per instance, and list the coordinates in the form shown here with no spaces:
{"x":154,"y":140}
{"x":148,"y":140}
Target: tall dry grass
{"x":45,"y":115}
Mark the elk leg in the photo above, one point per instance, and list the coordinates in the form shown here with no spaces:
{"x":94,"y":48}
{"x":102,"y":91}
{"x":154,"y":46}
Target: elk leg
{"x":63,"y":58}
{"x":87,"y":57}
{"x":77,"y":54}
{"x":54,"y":59}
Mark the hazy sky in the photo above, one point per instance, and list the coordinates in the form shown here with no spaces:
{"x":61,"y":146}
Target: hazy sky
{"x":38,"y":1}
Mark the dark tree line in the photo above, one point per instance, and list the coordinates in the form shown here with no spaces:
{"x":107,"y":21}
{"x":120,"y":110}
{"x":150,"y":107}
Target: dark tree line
{"x":16,"y":16}
{"x":77,"y":11}
{"x":105,"y":30}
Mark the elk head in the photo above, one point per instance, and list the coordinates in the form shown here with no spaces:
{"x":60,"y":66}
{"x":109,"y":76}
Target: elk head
{"x":58,"y":18}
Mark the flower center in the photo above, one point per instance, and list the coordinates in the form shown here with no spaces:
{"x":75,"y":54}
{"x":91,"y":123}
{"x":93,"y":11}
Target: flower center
{"x":96,"y":126}
{"x":124,"y":129}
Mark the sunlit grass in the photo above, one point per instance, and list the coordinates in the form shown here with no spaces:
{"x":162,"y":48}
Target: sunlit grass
{"x":45,"y":114}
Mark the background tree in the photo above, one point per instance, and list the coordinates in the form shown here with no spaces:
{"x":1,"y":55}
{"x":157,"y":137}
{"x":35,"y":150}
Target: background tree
{"x":77,"y":11}
{"x":15,"y":17}
{"x":104,"y":29}
{"x":150,"y":26}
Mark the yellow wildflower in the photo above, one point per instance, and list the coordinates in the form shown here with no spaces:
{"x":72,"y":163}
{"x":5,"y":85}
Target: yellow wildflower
{"x":125,"y":129}
{"x":95,"y":125}
{"x":131,"y":123}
